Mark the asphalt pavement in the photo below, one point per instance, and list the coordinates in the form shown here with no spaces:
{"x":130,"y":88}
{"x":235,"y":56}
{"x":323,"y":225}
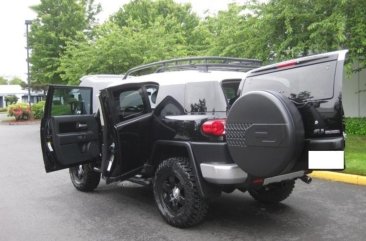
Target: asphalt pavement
{"x":39,"y":206}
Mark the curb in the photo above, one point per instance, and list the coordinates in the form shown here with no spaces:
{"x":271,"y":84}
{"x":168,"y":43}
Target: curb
{"x":20,"y":123}
{"x":339,"y":177}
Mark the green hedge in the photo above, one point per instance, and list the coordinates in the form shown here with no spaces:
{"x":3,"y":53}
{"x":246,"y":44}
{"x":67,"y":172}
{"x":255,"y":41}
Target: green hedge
{"x":356,"y":126}
{"x":38,"y":110}
{"x":3,"y":109}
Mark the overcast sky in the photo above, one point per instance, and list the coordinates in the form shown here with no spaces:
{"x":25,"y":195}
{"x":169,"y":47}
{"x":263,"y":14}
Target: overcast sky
{"x":13,"y":41}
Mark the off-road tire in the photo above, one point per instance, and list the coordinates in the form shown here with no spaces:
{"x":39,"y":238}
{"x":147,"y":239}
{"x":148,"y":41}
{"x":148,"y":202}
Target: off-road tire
{"x":273,"y":193}
{"x":189,"y":208}
{"x":86,"y":181}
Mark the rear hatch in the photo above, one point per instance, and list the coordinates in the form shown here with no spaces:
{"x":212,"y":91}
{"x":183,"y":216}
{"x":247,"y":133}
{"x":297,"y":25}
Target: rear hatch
{"x":313,"y":84}
{"x":289,"y":117}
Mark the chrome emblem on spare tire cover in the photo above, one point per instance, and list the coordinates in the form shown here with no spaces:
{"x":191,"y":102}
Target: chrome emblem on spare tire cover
{"x":264,"y":133}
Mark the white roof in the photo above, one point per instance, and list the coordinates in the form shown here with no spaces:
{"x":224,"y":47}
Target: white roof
{"x":12,"y":90}
{"x":182,"y":77}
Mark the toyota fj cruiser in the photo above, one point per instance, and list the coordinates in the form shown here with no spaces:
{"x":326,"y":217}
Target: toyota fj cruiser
{"x":195,"y":127}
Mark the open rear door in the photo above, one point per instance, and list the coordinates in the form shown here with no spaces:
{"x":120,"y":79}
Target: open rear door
{"x":69,"y":130}
{"x":289,"y":116}
{"x":127,"y":109}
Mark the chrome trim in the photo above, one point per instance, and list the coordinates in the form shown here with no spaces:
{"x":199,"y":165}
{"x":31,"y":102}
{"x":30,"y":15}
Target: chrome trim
{"x":220,"y":173}
{"x":283,"y":177}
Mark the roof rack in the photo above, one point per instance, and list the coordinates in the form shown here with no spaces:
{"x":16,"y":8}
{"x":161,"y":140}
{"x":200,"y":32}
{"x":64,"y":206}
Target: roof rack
{"x":200,"y":63}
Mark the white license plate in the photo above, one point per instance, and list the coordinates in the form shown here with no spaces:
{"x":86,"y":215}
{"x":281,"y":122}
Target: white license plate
{"x":326,"y":160}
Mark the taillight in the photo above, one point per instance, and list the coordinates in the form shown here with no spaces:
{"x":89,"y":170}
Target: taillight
{"x":214,"y":127}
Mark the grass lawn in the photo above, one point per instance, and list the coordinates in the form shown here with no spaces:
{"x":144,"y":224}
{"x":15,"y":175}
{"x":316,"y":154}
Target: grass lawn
{"x":356,"y":155}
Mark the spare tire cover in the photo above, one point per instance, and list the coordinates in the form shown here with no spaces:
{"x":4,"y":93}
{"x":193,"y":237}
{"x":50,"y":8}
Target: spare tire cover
{"x":264,"y":133}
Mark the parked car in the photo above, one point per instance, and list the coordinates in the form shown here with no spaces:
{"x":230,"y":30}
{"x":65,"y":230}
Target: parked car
{"x":195,"y":127}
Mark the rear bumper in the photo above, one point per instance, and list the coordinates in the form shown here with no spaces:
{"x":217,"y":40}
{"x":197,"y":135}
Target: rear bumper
{"x":325,"y":143}
{"x":221,"y":173}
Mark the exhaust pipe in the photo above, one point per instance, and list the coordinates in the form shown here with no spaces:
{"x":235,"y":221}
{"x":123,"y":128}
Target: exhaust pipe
{"x":306,"y":179}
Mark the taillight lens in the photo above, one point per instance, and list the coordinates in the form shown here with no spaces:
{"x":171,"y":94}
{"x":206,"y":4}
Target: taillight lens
{"x":214,"y":127}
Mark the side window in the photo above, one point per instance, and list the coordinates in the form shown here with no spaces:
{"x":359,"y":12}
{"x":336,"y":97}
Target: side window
{"x":71,"y":101}
{"x":129,"y":103}
{"x":230,"y":88}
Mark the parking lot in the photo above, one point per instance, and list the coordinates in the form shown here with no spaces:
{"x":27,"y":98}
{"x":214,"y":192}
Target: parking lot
{"x":39,"y":206}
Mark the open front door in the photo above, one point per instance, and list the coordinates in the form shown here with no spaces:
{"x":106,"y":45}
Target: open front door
{"x":128,"y":117}
{"x":69,"y":130}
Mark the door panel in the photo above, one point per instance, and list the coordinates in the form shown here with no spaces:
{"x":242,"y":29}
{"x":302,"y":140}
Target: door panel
{"x":75,"y":138}
{"x":133,"y":144}
{"x":69,"y":132}
{"x":128,"y":110}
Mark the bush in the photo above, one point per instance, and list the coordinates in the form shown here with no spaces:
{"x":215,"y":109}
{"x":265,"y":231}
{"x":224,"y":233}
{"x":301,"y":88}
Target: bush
{"x":11,"y":99}
{"x":20,"y":111}
{"x":3,"y":109}
{"x":38,"y":110}
{"x":356,"y":126}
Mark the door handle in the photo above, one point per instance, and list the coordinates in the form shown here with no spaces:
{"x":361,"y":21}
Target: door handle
{"x":81,"y":126}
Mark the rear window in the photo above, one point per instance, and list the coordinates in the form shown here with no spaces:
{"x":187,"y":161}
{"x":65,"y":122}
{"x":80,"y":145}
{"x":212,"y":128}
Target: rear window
{"x":204,"y":97}
{"x":306,"y":83}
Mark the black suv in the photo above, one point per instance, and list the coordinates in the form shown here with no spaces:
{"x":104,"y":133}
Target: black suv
{"x":195,"y":127}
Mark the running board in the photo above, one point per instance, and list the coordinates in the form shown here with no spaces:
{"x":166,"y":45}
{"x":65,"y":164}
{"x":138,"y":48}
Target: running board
{"x":141,"y":181}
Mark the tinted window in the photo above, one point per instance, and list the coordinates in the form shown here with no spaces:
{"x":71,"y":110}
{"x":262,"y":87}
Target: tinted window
{"x":130,"y":103}
{"x":309,"y":82}
{"x":230,"y":88}
{"x":71,"y":101}
{"x":204,"y":97}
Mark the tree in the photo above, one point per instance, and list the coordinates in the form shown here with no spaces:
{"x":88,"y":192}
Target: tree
{"x":227,"y":32}
{"x":144,"y":31}
{"x":57,"y":22}
{"x":282,"y":29}
{"x":132,"y":38}
{"x":11,"y":99}
{"x":3,"y":81}
{"x":180,"y":17}
{"x":16,"y":81}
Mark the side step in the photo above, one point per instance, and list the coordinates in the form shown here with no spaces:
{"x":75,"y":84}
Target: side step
{"x":141,"y":180}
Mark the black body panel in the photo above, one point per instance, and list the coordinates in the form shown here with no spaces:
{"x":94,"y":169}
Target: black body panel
{"x":127,"y":131}
{"x":133,"y":144}
{"x":208,"y":152}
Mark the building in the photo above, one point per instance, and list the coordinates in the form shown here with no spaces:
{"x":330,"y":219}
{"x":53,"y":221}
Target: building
{"x":354,"y":94}
{"x":22,"y":94}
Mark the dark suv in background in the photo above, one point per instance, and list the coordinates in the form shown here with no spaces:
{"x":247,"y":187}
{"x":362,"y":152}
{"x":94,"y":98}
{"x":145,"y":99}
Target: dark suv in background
{"x":195,"y":127}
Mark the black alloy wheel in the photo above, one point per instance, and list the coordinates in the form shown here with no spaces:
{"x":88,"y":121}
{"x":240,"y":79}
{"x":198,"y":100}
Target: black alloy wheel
{"x":177,"y":195}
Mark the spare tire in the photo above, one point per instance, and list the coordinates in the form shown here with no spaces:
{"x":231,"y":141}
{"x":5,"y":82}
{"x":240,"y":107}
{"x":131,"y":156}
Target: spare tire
{"x":264,"y":133}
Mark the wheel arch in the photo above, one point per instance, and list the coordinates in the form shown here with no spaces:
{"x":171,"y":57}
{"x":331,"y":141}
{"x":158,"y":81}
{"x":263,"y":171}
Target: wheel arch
{"x":165,"y":149}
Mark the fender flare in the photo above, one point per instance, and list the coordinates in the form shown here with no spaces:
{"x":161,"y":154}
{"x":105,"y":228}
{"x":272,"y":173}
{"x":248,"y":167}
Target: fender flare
{"x":206,"y":189}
